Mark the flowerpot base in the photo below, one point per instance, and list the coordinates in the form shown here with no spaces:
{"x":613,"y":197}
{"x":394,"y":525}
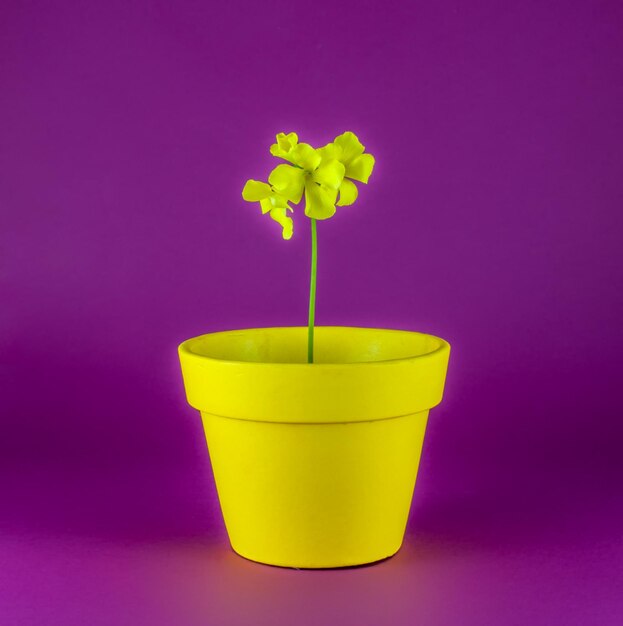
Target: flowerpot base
{"x":320,"y":567}
{"x":315,"y":495}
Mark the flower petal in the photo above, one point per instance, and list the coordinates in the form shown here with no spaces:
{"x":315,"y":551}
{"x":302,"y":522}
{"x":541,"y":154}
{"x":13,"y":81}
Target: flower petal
{"x":305,"y":157}
{"x":287,"y":142}
{"x":288,"y":182}
{"x":331,"y":194}
{"x":360,"y":168}
{"x":280,"y":216}
{"x":266,"y":205}
{"x":319,"y":202}
{"x":329,"y":174}
{"x":348,"y":193}
{"x":254,"y":190}
{"x":280,"y":201}
{"x":330,"y":151}
{"x":276,"y":151}
{"x":351,"y":146}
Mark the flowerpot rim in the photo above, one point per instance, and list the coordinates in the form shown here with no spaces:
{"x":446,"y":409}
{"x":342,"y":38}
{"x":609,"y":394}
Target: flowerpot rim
{"x":190,"y":346}
{"x":407,"y":377}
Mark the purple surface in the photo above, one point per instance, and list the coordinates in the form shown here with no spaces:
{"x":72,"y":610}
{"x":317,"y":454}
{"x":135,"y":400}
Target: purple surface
{"x":493,"y":220}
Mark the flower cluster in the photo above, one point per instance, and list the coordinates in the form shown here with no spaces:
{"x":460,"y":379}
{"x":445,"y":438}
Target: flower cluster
{"x":324,"y":175}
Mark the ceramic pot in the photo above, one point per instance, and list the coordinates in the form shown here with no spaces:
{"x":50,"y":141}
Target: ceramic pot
{"x":315,"y":464}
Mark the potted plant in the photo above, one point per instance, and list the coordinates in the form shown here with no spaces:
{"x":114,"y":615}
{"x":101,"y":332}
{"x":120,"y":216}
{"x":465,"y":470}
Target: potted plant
{"x":314,"y":433}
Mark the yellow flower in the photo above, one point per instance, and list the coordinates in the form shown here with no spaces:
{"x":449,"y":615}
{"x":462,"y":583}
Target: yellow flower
{"x":323,"y":175}
{"x":348,"y":150}
{"x":271,"y":202}
{"x":318,"y":178}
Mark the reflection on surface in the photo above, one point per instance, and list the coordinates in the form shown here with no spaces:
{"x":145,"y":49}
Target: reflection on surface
{"x":150,"y":549}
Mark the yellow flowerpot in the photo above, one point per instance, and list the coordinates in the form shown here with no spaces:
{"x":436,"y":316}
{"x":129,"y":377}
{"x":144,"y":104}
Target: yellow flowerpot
{"x":315,"y":464}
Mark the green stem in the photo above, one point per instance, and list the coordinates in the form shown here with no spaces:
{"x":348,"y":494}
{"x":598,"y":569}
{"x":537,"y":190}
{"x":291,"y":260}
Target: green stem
{"x":312,"y":292}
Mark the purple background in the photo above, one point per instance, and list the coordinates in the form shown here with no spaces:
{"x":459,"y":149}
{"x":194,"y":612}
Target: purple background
{"x":493,"y":219}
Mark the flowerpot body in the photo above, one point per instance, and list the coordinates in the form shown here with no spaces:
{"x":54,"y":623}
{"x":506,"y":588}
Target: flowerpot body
{"x":315,"y":465}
